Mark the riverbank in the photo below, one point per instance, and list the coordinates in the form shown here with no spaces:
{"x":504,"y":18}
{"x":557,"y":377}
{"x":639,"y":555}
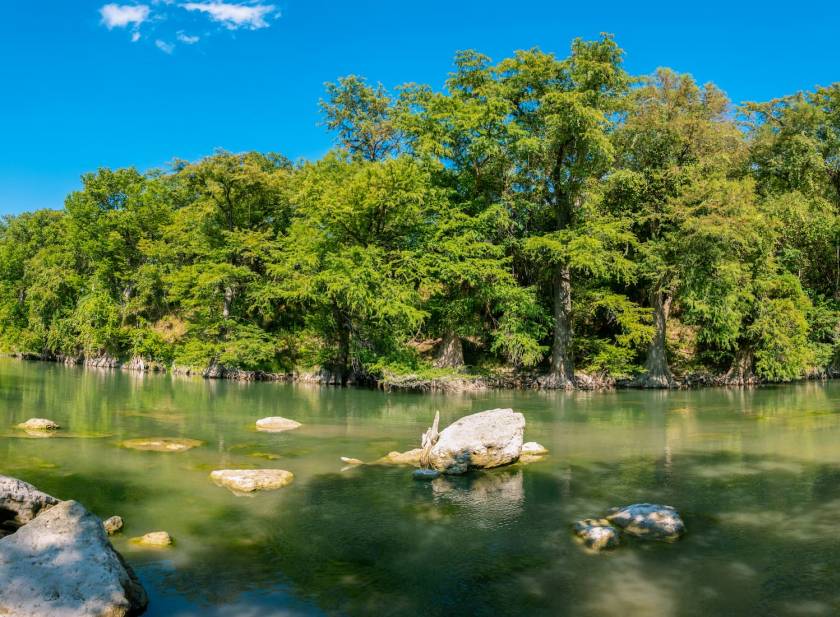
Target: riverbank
{"x":456,"y":382}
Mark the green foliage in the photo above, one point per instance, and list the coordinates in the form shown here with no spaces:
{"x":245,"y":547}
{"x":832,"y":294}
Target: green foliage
{"x":531,"y":205}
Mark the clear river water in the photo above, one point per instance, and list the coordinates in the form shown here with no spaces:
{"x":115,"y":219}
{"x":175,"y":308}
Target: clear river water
{"x":755,"y":474}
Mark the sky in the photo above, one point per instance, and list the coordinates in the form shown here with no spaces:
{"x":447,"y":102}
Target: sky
{"x":87,"y":84}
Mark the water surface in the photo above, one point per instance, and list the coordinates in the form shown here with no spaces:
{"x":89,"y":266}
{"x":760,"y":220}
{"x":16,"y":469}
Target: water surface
{"x":755,"y":473}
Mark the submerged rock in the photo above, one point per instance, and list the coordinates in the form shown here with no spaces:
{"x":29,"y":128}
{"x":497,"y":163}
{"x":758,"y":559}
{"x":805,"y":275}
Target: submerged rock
{"x":162,"y":444}
{"x":410,"y":457}
{"x":154,"y":538}
{"x":479,"y":441}
{"x":112,"y":525}
{"x":39,"y":424}
{"x":425,"y":474}
{"x":648,"y":521}
{"x":276,"y":425}
{"x":61,"y":563}
{"x":250,"y":480}
{"x":597,"y":534}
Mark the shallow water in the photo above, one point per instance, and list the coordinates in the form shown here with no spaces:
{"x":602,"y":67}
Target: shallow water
{"x":755,"y":474}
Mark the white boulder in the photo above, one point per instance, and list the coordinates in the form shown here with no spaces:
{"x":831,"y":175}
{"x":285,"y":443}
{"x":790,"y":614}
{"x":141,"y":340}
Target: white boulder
{"x":276,"y":424}
{"x":479,"y":441}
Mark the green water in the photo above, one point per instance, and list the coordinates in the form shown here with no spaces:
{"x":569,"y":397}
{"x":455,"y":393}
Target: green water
{"x":755,"y":473}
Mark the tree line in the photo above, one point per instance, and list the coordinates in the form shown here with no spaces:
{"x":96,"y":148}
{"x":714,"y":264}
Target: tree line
{"x":556,"y":215}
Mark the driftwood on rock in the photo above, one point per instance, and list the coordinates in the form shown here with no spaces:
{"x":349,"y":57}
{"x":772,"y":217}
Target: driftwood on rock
{"x":428,"y":440}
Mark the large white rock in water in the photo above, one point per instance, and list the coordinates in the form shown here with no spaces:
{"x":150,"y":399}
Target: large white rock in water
{"x":479,"y":441}
{"x":648,"y":521}
{"x":61,"y":564}
{"x":276,"y":424}
{"x":250,"y":480}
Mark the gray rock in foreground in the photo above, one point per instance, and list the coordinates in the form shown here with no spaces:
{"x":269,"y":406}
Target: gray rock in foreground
{"x":479,"y":441}
{"x":61,"y":564}
{"x":20,"y":502}
{"x":648,"y":521}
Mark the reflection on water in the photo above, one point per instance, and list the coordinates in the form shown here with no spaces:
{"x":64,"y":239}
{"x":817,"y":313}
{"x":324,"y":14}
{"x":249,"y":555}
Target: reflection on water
{"x":755,"y":473}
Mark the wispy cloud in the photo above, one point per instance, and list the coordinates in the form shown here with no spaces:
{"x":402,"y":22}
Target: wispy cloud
{"x":122,"y":15}
{"x":187,"y":39}
{"x":234,"y":16}
{"x":165,"y":47}
{"x":167,"y":22}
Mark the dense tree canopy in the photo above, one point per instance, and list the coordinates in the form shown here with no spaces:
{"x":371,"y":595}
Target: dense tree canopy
{"x":556,"y":216}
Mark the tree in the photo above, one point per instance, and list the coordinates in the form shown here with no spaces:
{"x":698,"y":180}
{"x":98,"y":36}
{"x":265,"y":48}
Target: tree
{"x":561,"y":111}
{"x":672,"y":128}
{"x":362,"y":117}
{"x":348,"y":260}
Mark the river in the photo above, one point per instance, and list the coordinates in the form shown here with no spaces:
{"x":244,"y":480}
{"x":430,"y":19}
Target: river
{"x":755,"y":474}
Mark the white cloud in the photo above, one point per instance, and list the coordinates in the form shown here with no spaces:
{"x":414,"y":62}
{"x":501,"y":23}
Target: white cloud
{"x":188,"y":39}
{"x":234,"y":16}
{"x":135,"y":37}
{"x":121,"y":15}
{"x":165,"y":47}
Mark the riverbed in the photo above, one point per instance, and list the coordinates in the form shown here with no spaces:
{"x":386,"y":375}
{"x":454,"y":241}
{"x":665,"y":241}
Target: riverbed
{"x":755,"y":474}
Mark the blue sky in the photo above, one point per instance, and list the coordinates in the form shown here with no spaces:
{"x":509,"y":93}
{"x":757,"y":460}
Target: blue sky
{"x":85,"y":84}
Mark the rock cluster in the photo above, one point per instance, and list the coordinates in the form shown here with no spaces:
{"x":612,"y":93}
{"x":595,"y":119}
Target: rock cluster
{"x":59,"y":560}
{"x":645,"y":521}
{"x":482,"y":440}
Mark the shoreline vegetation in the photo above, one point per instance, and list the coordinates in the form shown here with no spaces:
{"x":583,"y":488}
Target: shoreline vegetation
{"x":540,"y":222}
{"x":467,"y":380}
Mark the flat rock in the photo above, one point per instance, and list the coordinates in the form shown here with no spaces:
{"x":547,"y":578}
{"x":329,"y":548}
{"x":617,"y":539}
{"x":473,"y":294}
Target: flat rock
{"x":410,"y":457}
{"x":276,"y":424}
{"x":154,"y":538}
{"x":112,"y":525}
{"x":597,"y":534}
{"x":250,"y":480}
{"x":351,"y":461}
{"x":61,"y":564}
{"x":479,"y":441}
{"x":648,"y":521}
{"x":161,"y":444}
{"x":39,"y":424}
{"x":20,"y":502}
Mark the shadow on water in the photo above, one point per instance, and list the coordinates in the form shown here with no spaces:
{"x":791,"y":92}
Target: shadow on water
{"x":373,"y":542}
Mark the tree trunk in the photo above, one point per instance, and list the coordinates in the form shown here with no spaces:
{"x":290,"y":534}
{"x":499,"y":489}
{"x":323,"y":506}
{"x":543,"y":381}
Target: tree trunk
{"x":341,"y":368}
{"x":562,"y":373}
{"x":451,"y":351}
{"x":228,"y":299}
{"x":741,"y":372}
{"x":657,"y":372}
